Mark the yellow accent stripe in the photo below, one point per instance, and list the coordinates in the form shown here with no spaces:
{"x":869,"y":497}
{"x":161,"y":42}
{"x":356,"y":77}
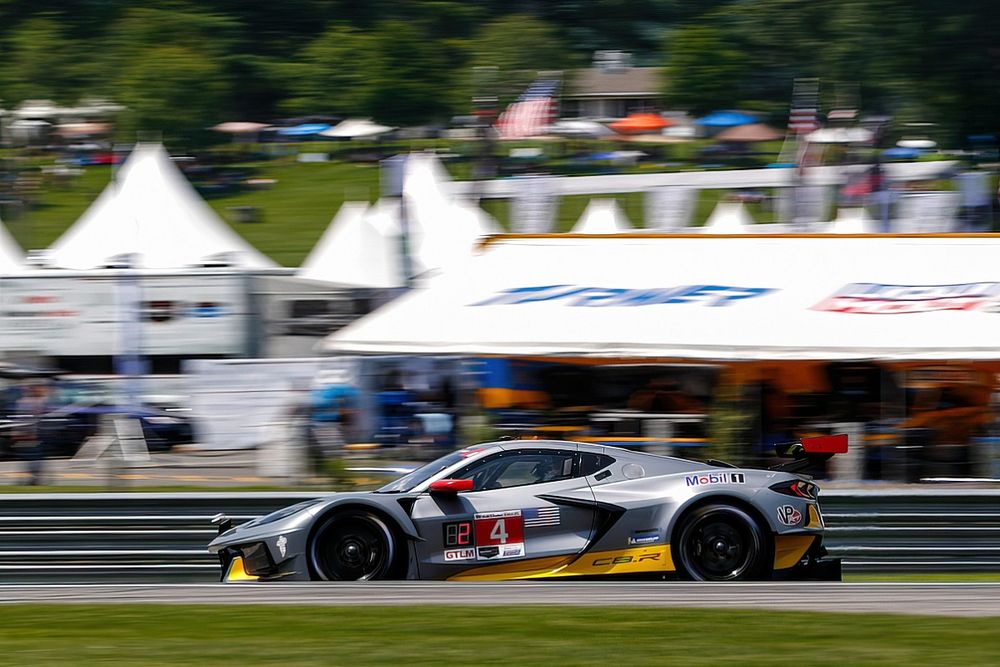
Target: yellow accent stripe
{"x":487,"y":241}
{"x":789,"y":549}
{"x":237,"y":572}
{"x":642,"y":559}
{"x":814,"y":519}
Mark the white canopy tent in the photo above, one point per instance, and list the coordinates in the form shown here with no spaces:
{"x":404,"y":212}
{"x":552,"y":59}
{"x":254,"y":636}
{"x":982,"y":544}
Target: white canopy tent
{"x":602,"y":216}
{"x":820,"y":297}
{"x":360,"y":248}
{"x":356,"y":128}
{"x":11,"y":257}
{"x":152,"y":213}
{"x":853,"y":220}
{"x":728,"y":218}
{"x":442,"y":229}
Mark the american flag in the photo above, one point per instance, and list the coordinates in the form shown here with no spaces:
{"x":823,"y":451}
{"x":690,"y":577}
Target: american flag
{"x":533,"y":110}
{"x":541,"y":516}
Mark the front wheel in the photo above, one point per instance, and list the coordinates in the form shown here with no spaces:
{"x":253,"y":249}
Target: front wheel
{"x":721,"y":543}
{"x":352,"y":545}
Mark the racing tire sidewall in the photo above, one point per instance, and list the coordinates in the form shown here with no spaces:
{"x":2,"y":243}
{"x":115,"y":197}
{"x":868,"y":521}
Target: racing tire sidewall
{"x":758,"y":561}
{"x":328,"y":523}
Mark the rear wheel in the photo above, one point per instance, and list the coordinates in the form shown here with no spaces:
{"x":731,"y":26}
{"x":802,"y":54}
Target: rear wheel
{"x":353,"y":545}
{"x":721,"y":543}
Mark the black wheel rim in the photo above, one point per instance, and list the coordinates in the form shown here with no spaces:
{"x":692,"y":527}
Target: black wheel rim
{"x":720,"y":547}
{"x":353,"y":549}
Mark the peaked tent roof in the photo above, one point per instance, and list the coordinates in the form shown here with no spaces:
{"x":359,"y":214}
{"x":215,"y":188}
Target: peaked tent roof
{"x":908,"y":297}
{"x":853,"y":221}
{"x":442,"y":228}
{"x":602,"y":216}
{"x":360,"y":248}
{"x":152,"y":212}
{"x":728,"y":218}
{"x":11,"y":257}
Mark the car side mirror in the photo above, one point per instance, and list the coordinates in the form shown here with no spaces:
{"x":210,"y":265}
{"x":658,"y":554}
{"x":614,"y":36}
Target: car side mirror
{"x":451,"y":486}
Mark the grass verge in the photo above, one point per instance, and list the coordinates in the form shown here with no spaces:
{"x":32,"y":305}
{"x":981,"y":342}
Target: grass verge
{"x":271,"y":635}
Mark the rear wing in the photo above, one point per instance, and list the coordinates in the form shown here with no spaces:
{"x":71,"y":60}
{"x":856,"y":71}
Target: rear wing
{"x":810,"y":451}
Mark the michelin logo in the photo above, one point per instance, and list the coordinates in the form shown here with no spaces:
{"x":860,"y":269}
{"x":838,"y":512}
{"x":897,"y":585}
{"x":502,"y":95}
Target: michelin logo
{"x":644,"y":537}
{"x":716,"y":478}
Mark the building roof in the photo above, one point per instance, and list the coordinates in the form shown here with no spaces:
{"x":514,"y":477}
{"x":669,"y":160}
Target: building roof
{"x":615,"y":82}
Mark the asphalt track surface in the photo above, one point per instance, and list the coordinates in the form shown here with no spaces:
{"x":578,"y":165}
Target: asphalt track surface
{"x":945,"y":599}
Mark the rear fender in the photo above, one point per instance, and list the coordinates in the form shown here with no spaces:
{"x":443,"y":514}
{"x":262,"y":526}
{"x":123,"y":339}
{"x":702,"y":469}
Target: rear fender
{"x":722,"y":498}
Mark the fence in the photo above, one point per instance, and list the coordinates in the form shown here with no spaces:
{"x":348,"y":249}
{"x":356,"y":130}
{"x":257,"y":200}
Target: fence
{"x":151,"y":537}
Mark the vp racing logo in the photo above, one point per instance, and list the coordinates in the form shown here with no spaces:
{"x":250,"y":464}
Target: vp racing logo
{"x":574,"y":295}
{"x":876,"y":299}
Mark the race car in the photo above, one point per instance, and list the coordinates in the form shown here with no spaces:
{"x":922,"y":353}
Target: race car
{"x":531,"y":509}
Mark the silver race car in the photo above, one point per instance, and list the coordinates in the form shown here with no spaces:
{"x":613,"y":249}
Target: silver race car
{"x":530,"y":509}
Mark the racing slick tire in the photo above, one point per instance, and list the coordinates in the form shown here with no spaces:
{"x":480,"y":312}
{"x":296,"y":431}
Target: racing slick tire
{"x":721,"y":542}
{"x":354,"y":545}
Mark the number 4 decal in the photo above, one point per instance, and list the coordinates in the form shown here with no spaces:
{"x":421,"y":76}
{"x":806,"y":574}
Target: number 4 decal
{"x":499,"y":528}
{"x":499,"y":532}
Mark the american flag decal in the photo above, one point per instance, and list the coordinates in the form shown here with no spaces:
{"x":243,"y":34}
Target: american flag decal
{"x":541,"y":516}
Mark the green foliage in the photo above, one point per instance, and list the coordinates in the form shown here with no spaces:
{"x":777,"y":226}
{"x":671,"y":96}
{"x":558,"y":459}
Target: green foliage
{"x":331,"y":75}
{"x":412,"y":62}
{"x":703,"y":69}
{"x":411,"y":79}
{"x":39,"y":62}
{"x":518,"y":46}
{"x":172,"y":89}
{"x":917,"y":60}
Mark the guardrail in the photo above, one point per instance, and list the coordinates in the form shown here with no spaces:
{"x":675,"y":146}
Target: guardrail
{"x":148,"y":537}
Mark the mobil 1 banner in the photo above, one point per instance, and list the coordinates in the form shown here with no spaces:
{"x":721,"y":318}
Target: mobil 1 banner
{"x":94,"y":314}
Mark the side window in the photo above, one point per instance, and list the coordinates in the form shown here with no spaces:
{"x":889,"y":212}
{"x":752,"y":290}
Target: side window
{"x":591,"y":463}
{"x":519,"y":469}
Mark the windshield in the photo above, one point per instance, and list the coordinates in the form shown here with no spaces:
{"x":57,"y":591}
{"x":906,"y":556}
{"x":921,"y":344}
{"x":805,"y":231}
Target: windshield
{"x":409,"y":481}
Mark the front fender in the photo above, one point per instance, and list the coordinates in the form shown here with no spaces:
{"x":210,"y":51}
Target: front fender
{"x":387,"y":506}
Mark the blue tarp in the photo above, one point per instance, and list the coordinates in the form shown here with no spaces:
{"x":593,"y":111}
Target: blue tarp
{"x":304,"y":130}
{"x":726,"y":119}
{"x":902,"y":153}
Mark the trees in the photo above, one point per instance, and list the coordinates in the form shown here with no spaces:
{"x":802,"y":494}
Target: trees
{"x":518,"y":46}
{"x":40,"y":62}
{"x":412,"y":61}
{"x":174,"y":90}
{"x":332,"y":74}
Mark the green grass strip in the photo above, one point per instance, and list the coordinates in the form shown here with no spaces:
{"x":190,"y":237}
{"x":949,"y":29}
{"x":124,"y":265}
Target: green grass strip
{"x":277,"y":635}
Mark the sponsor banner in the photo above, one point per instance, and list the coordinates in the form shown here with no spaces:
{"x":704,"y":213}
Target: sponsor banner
{"x":702,"y":479}
{"x":789,"y":516}
{"x":877,"y":299}
{"x":87,"y":315}
{"x":500,"y":552}
{"x":644,"y":537}
{"x":459,"y":554}
{"x":577,"y":296}
{"x":541,"y":516}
